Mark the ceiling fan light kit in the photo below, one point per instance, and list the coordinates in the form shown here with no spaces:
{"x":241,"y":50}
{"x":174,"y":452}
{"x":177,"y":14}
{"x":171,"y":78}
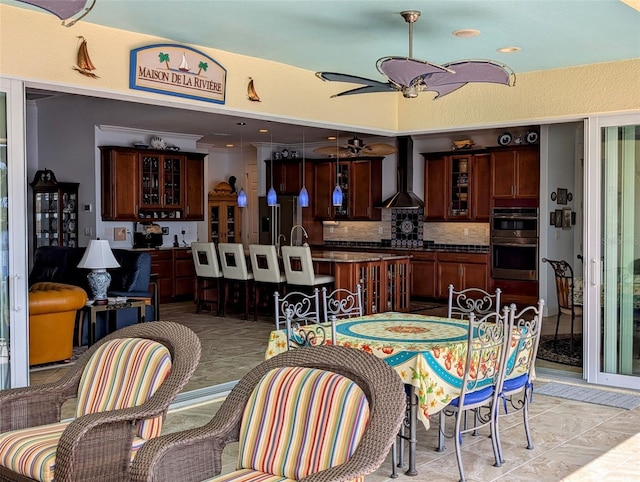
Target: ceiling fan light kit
{"x":412,"y":76}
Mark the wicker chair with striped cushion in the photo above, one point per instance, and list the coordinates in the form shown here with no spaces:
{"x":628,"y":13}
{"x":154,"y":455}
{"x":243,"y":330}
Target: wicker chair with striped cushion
{"x":318,"y":413}
{"x":123,"y":385}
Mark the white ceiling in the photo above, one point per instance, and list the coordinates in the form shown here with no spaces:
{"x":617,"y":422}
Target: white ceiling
{"x":348,"y":36}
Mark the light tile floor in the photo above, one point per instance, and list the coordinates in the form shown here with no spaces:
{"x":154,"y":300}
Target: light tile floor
{"x":574,"y":441}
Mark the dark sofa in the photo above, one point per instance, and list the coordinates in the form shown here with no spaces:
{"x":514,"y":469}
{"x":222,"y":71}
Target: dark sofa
{"x":60,"y":265}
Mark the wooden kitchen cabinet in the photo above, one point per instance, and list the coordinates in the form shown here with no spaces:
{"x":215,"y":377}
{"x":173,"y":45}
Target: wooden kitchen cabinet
{"x":515,"y":173}
{"x":287,"y":175}
{"x":162,"y":265}
{"x":176,"y":273}
{"x":184,"y":273}
{"x":462,"y":270}
{"x":423,"y":268}
{"x":193,"y":187}
{"x":144,"y":184}
{"x":224,"y":215}
{"x":361,"y":182}
{"x":119,"y":186}
{"x":457,"y":187}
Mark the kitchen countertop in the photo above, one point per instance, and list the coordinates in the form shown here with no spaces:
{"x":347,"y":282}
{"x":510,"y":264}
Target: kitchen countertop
{"x":353,"y":256}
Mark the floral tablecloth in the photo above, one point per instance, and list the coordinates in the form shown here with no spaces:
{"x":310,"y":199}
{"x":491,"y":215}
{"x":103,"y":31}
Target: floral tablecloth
{"x":427,"y":352}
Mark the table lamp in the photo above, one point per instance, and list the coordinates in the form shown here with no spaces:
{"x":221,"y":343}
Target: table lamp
{"x":98,"y":257}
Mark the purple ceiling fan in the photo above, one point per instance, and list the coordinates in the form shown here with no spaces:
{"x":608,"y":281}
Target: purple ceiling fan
{"x":412,"y":76}
{"x":63,"y":9}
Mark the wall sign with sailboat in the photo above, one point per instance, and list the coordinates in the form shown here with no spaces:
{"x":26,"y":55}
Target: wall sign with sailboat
{"x":177,"y":70}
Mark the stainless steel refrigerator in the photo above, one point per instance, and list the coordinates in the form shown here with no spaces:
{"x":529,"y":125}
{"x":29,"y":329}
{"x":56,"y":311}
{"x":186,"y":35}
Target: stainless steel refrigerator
{"x":279,"y":219}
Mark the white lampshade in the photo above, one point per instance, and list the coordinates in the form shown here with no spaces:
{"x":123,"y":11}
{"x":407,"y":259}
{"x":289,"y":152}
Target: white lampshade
{"x":98,"y":255}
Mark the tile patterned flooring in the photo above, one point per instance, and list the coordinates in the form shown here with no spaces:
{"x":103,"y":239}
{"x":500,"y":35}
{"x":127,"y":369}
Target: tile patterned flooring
{"x":574,"y":441}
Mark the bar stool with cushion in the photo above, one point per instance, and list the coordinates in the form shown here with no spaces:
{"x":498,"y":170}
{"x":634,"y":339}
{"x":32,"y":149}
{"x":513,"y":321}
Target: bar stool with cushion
{"x":234,"y":268}
{"x":298,"y":268}
{"x":208,"y":271}
{"x":266,"y":271}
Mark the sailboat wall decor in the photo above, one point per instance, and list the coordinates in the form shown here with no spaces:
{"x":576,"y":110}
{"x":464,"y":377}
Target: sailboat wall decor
{"x":177,"y":70}
{"x":85,"y":66}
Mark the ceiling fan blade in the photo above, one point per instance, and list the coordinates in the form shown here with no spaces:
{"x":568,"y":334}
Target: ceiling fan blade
{"x":466,"y":71}
{"x":403,"y":71}
{"x":378,"y":149}
{"x":369,"y":85}
{"x":332,"y":151}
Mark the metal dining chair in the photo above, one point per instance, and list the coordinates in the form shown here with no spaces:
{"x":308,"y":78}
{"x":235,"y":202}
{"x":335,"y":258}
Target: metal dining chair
{"x":519,"y":366}
{"x":300,"y":314}
{"x":565,"y":288}
{"x":341,"y":303}
{"x":481,"y":386}
{"x":472,"y":300}
{"x":207,"y":269}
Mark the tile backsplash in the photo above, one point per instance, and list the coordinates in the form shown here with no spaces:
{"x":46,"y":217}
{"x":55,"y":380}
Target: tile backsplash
{"x":438,"y":233}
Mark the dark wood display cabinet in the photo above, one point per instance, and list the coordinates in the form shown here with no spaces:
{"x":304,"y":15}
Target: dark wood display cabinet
{"x":361,"y":182}
{"x":146,"y":184}
{"x":55,"y":211}
{"x":457,"y":186}
{"x":515,"y":173}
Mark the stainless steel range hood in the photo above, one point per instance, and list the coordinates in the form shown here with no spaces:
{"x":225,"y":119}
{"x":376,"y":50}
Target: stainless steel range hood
{"x":404,"y":198}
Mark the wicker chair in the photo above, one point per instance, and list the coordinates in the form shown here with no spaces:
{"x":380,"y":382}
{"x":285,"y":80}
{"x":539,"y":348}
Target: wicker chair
{"x":124,"y":384}
{"x":195,"y":455}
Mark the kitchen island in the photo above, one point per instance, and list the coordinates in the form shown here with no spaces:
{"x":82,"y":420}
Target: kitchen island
{"x":384,"y":277}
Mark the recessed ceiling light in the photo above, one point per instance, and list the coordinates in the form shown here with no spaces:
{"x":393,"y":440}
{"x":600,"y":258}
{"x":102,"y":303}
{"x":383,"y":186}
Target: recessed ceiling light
{"x":241,"y":123}
{"x":229,"y":145}
{"x":331,"y":138}
{"x":508,"y":50}
{"x":263,"y":130}
{"x":466,"y":33}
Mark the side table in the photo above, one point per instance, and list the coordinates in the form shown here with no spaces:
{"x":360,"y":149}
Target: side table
{"x":111,"y":308}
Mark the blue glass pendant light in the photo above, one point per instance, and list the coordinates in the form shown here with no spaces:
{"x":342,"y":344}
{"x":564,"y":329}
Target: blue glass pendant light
{"x":272,"y":197}
{"x":242,"y":196}
{"x":303,"y":199}
{"x":337,"y":192}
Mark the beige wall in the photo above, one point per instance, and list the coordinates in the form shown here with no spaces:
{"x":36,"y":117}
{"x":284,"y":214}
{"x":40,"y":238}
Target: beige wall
{"x":34,"y":47}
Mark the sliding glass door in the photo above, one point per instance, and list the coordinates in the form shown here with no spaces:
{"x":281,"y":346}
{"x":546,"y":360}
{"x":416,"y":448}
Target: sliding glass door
{"x":613,"y":251}
{"x":14,"y":362}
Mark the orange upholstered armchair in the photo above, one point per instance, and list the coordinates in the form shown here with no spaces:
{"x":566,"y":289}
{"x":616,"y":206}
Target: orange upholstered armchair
{"x":52,"y":315}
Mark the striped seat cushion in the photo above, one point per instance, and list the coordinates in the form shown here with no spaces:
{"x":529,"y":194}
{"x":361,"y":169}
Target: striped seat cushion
{"x":32,"y":452}
{"x":299,"y":421}
{"x":123,"y":373}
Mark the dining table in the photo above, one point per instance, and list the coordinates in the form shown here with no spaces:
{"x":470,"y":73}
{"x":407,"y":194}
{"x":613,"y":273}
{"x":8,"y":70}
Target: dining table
{"x":427,"y":352}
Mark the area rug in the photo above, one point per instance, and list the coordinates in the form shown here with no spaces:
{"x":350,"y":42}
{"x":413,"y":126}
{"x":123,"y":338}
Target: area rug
{"x":559,"y":351}
{"x":610,"y":398}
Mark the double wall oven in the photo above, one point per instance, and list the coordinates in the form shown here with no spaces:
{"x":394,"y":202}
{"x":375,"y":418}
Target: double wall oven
{"x":514,"y":243}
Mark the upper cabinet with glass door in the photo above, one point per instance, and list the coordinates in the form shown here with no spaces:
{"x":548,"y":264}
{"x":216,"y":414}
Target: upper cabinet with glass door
{"x":55,"y":211}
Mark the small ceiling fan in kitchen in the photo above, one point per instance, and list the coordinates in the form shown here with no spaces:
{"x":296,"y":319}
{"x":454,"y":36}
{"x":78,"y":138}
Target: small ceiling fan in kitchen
{"x":412,"y":76}
{"x":356,"y":147}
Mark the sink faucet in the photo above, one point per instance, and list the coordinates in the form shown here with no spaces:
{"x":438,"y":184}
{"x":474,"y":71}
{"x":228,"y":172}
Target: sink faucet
{"x":298,"y":226}
{"x":284,"y":238}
